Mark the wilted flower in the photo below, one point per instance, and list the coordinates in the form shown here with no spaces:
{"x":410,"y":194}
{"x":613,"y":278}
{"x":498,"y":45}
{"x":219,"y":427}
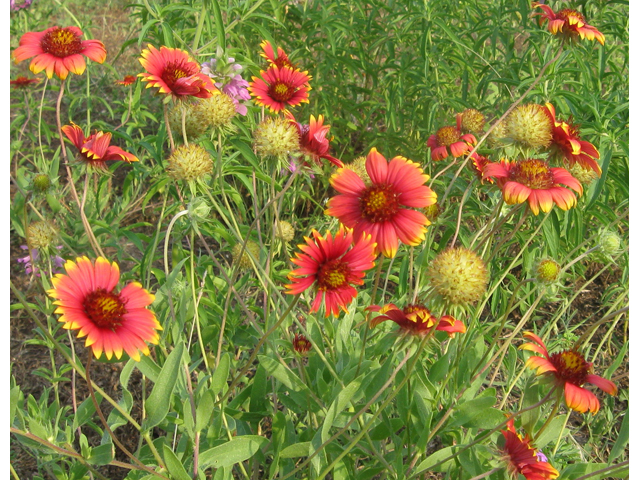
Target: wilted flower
{"x":313,"y":139}
{"x":416,"y":319}
{"x":127,"y":80}
{"x":22,"y":83}
{"x":58,"y":50}
{"x":95,"y":150}
{"x":459,"y":276}
{"x":570,"y":371}
{"x":569,"y":23}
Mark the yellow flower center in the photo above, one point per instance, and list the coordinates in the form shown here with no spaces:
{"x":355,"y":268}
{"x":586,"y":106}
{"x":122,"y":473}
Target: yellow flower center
{"x":281,"y":92}
{"x":447,"y":135}
{"x":61,"y":43}
{"x":418,"y":314}
{"x":572,"y":17}
{"x":571,"y":367}
{"x":379,"y":203}
{"x":104,"y":309}
{"x":333,"y":275}
{"x":176,"y":70}
{"x":533,"y":173}
{"x":548,"y":270}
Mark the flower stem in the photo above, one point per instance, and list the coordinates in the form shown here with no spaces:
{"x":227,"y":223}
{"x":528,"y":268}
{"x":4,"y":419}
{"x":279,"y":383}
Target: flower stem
{"x":373,"y":301}
{"x":168,"y":127}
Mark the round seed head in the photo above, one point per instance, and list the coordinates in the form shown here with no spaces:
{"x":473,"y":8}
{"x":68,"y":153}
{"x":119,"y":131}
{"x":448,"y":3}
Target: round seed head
{"x":276,"y":137}
{"x":217,"y":111}
{"x":530,"y":125}
{"x":284,"y":230}
{"x":458,"y":276}
{"x":41,"y":235}
{"x":189,"y":162}
{"x":41,"y":183}
{"x":241,"y":257}
{"x":472,"y":120}
{"x":194,"y":122}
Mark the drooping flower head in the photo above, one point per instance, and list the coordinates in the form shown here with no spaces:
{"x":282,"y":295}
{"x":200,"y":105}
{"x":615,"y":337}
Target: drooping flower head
{"x":416,"y":319}
{"x":112,"y":322}
{"x":570,"y":371}
{"x":95,"y":150}
{"x":58,"y":50}
{"x":569,"y":23}
{"x":478,"y":162}
{"x":384,"y":209}
{"x":459,"y":276}
{"x":532,"y":180}
{"x":301,"y":344}
{"x":22,"y":83}
{"x":280,"y":60}
{"x":313,"y":139}
{"x":567,"y":143}
{"x":530,"y":125}
{"x":280,"y":87}
{"x":175,"y":73}
{"x":331,"y":266}
{"x":450,"y":140}
{"x":521,"y":458}
{"x":126,"y":81}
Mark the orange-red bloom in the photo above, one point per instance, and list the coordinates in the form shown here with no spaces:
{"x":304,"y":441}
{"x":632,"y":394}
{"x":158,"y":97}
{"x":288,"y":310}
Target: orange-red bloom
{"x":566,"y":139}
{"x":279,"y":87}
{"x":58,"y":50}
{"x":313,"y":139}
{"x":95,"y":149}
{"x":522,"y":458}
{"x":280,"y":60}
{"x":450,"y":140}
{"x":534,"y":181}
{"x":569,"y":23}
{"x":22,"y":83}
{"x":301,"y":344}
{"x":417,"y":319}
{"x":571,"y":371}
{"x":112,"y":322}
{"x":127,"y":80}
{"x":384,"y":208}
{"x":174,"y":72}
{"x":332,"y":265}
{"x":478,"y":162}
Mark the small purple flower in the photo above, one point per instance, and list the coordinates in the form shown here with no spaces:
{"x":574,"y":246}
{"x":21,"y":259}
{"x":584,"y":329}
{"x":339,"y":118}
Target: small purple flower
{"x":227,"y":79}
{"x":542,"y":457}
{"x":15,"y":7}
{"x":30,"y":268}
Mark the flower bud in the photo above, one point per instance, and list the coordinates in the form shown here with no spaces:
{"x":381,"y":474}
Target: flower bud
{"x":547,"y":271}
{"x":198,"y":210}
{"x":41,"y":183}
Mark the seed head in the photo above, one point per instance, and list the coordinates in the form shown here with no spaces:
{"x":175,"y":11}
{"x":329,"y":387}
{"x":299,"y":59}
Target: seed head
{"x":194,"y":121}
{"x":284,"y":230}
{"x":610,"y":243}
{"x":276,"y":137}
{"x":497,"y":135}
{"x":242,"y":258}
{"x":530,"y":125}
{"x":459,"y":276}
{"x":189,"y":162}
{"x":472,"y":120}
{"x":547,"y":271}
{"x":217,"y":111}
{"x":584,"y":175}
{"x":41,"y":235}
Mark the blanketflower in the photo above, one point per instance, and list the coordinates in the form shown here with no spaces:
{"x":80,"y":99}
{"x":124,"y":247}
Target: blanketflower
{"x":301,"y":344}
{"x":112,"y":322}
{"x":313,"y":139}
{"x":522,"y":458}
{"x":331,"y":265}
{"x":416,"y":319}
{"x":532,"y":180}
{"x":279,"y":87}
{"x":384,"y":208}
{"x":127,"y":80}
{"x":570,"y":23}
{"x":571,"y":371}
{"x":58,"y":50}
{"x":280,"y":60}
{"x":566,"y":139}
{"x":478,"y":162}
{"x":174,"y":72}
{"x":450,"y":140}
{"x":21,"y":83}
{"x":95,"y":149}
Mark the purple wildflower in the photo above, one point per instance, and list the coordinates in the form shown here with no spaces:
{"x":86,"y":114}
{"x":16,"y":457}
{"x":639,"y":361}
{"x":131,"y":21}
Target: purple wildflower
{"x":228,"y":79}
{"x":15,"y":7}
{"x":30,"y":268}
{"x":542,"y":457}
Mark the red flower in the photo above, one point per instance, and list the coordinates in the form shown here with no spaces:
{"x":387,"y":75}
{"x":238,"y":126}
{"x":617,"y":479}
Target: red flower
{"x":281,"y":60}
{"x":384,"y":208}
{"x":313,"y":139}
{"x":567,"y":141}
{"x":451,"y":138}
{"x":95,"y":149}
{"x":571,"y":371}
{"x":332,"y":265}
{"x":478,"y":162}
{"x":279,"y":87}
{"x":569,"y":23}
{"x":21,"y":83}
{"x":301,"y":344}
{"x":523,"y":459}
{"x":127,"y":80}
{"x":534,"y":181}
{"x":111,"y":321}
{"x":58,"y":50}
{"x":174,"y":72}
{"x":416,"y":319}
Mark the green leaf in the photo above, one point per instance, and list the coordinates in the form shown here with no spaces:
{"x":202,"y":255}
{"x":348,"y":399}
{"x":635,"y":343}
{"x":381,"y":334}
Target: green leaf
{"x":339,"y":404}
{"x":296,"y":450}
{"x":204,"y":410}
{"x":219,"y":377}
{"x":580,"y":469}
{"x":101,"y":455}
{"x":237,"y":450}
{"x":623,"y":439}
{"x":175,"y":467}
{"x":551,"y":432}
{"x":284,"y":375}
{"x":467,"y":414}
{"x":431,"y":460}
{"x":13,"y":402}
{"x":157,"y":404}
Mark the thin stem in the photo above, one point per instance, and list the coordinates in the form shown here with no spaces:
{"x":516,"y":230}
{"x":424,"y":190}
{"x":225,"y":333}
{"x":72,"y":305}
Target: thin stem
{"x":184,"y":124}
{"x":373,"y":301}
{"x":462,"y":200}
{"x":168,"y":127}
{"x":550,"y":417}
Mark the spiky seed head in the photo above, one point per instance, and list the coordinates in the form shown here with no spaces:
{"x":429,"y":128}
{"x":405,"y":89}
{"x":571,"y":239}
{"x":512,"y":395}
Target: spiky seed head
{"x":547,"y":271}
{"x":584,"y":175}
{"x":41,"y":235}
{"x":458,"y":276}
{"x":284,"y":230}
{"x":497,"y":135}
{"x":195,"y":123}
{"x":218,"y":111}
{"x":530,"y":125}
{"x":241,"y":257}
{"x":472,"y":120}
{"x":276,"y":137}
{"x":41,"y":183}
{"x":189,"y":162}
